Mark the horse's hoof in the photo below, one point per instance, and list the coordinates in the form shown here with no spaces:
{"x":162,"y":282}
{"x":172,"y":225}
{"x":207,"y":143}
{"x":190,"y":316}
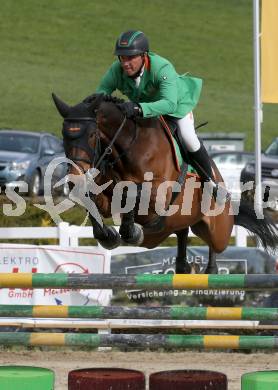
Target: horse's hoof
{"x":137,"y":236}
{"x":112,"y":241}
{"x":183,"y":268}
{"x":212,"y":270}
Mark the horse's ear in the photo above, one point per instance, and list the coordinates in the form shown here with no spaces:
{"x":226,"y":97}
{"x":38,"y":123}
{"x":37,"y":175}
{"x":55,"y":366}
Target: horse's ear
{"x":61,"y":106}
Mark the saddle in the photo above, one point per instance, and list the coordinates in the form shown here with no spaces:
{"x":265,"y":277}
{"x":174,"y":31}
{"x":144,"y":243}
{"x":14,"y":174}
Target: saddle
{"x":171,"y":130}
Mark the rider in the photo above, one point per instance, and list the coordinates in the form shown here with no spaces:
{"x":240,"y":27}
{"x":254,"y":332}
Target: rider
{"x":155,"y":88}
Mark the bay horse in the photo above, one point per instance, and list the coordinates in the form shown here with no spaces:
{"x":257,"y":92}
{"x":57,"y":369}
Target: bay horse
{"x":97,"y":135}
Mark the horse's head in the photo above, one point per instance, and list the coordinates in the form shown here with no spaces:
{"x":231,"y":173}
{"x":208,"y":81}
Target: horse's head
{"x":78,"y":127}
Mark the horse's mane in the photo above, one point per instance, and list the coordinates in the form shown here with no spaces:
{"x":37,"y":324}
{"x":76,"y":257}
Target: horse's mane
{"x":94,"y":100}
{"x":112,"y":99}
{"x":101,"y":97}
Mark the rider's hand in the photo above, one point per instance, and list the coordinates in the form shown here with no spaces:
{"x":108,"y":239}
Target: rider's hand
{"x":130,"y":109}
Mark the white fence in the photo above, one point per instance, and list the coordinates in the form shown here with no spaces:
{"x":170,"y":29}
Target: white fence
{"x":69,"y":235}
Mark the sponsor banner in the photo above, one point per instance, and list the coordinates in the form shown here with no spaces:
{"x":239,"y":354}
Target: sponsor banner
{"x":53,"y":259}
{"x":236,"y":260}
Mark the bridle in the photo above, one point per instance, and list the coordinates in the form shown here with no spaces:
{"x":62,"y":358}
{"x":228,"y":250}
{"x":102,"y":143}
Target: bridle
{"x":108,"y":149}
{"x":77,"y":139}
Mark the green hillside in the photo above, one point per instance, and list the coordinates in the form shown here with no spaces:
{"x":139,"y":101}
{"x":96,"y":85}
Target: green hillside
{"x":66,"y":45}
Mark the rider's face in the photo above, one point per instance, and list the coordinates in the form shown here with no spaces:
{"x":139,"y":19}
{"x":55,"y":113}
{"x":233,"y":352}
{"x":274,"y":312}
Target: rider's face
{"x":131,"y":64}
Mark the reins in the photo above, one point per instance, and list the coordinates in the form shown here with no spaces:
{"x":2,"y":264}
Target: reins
{"x":108,"y":149}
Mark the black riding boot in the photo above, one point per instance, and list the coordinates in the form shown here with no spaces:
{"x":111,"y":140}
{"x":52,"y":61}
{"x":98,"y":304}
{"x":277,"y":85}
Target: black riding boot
{"x":202,"y":163}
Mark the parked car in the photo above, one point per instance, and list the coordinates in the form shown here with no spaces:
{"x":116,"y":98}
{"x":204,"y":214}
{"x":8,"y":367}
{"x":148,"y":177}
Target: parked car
{"x":24,"y":156}
{"x":269,"y":164}
{"x":230,"y":165}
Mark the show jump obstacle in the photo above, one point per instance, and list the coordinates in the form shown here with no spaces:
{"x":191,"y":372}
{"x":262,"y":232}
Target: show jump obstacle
{"x":147,"y":313}
{"x":253,"y":282}
{"x":145,"y":282}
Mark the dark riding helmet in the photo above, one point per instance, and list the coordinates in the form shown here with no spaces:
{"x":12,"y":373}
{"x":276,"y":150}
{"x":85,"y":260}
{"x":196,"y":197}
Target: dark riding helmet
{"x":130,"y":43}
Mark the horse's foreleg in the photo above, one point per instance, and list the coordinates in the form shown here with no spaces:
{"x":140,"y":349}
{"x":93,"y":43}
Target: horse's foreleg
{"x":182,"y":266}
{"x":131,"y":233}
{"x":107,"y":236}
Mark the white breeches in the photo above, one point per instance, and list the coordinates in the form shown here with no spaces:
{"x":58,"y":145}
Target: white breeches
{"x":187,"y":131}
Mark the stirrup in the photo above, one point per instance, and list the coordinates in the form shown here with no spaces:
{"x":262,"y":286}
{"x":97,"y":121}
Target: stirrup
{"x":220,"y":194}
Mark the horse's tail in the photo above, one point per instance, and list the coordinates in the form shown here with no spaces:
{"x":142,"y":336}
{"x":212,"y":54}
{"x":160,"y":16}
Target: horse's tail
{"x":264,"y":229}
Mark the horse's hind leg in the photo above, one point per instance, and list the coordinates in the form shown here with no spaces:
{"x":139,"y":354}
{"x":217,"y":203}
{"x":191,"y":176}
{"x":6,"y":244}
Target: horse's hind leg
{"x":217,"y":238}
{"x":182,"y":266}
{"x":212,"y":265}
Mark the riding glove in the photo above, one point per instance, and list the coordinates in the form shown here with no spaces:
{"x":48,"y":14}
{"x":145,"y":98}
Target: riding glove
{"x":130,"y":109}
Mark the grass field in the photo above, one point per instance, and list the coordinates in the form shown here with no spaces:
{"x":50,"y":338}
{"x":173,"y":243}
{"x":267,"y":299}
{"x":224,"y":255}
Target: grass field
{"x":66,"y":45}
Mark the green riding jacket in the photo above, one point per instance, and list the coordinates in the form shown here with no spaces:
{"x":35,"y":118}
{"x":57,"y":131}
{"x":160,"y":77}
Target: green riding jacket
{"x":161,"y":90}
